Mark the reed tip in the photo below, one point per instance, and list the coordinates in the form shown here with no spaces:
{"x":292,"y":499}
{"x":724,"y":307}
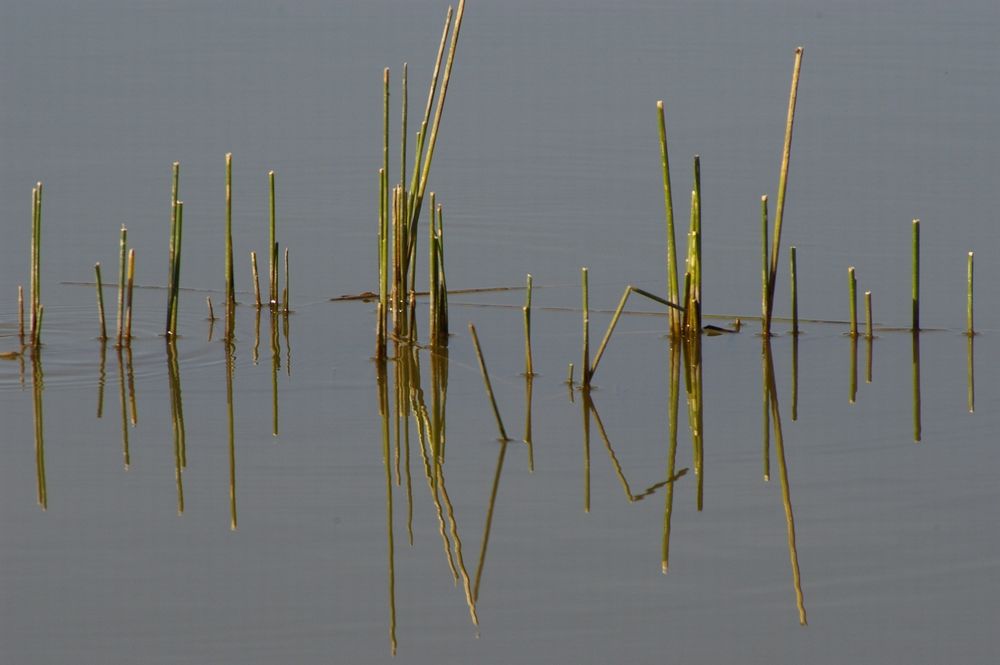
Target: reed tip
{"x":229,"y":156}
{"x":799,"y":49}
{"x":763,"y":198}
{"x":270,"y":174}
{"x":176,"y":165}
{"x":659,"y":104}
{"x":663,"y":567}
{"x":916,"y":221}
{"x":868,"y":294}
{"x":971,"y":254}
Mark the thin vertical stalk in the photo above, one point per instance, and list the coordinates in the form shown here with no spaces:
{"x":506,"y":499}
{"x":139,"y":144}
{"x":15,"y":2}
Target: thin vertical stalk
{"x":273,"y":246}
{"x":970,"y":329}
{"x":852,"y":285}
{"x":256,"y":278}
{"x":100,"y":304}
{"x":585,"y":358}
{"x":177,"y":268}
{"x":434,"y":276}
{"x":793,"y":278}
{"x":672,"y":285}
{"x":122,"y":268}
{"x":868,"y":314}
{"x":529,"y":368}
{"x":970,"y":374}
{"x":764,"y":263}
{"x":230,"y":282}
{"x":130,"y":283}
{"x":174,"y":193}
{"x":916,"y":387}
{"x":284,"y":293}
{"x":402,"y":129}
{"x":38,"y":249}
{"x":33,"y":285}
{"x":852,"y":397}
{"x":916,"y":276}
{"x":486,"y":381}
{"x":779,"y":214}
{"x":20,"y":311}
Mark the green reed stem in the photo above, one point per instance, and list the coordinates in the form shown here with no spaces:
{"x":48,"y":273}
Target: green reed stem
{"x":852,"y":286}
{"x":569,"y":374}
{"x":37,"y":337}
{"x":402,"y":129}
{"x":20,"y":310}
{"x":230,"y":282}
{"x":273,"y":247}
{"x":122,"y":268}
{"x":585,"y":362}
{"x":100,"y":304}
{"x":284,"y":292}
{"x":486,"y":381}
{"x":611,"y":329}
{"x":672,"y":285}
{"x":174,"y":193}
{"x":794,"y":280}
{"x":868,"y":314}
{"x":764,"y":263}
{"x":968,"y":315}
{"x":779,"y":215}
{"x":177,"y":268}
{"x":916,"y":276}
{"x":529,"y":368}
{"x":256,"y":278}
{"x":130,"y":281}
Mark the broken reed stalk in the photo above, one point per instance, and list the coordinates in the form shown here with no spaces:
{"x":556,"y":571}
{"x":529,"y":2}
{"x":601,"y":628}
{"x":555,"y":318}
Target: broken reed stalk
{"x":122,"y":268}
{"x":672,"y":286}
{"x":763,"y":257}
{"x":486,"y":381}
{"x":256,"y":278}
{"x":970,"y":330}
{"x":852,"y":286}
{"x":273,"y":246}
{"x":585,"y":362}
{"x":20,"y":311}
{"x":100,"y":304}
{"x":779,"y":213}
{"x":916,"y":276}
{"x":569,"y":375}
{"x":794,"y":281}
{"x":230,"y":282}
{"x":130,"y":281}
{"x":529,"y":368}
{"x":868,"y":315}
{"x":629,"y":290}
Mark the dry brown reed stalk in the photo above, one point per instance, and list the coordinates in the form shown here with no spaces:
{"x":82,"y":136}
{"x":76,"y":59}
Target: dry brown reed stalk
{"x":256,"y":279}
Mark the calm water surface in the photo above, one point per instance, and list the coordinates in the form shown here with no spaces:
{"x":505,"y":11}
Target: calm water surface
{"x":547,"y":161}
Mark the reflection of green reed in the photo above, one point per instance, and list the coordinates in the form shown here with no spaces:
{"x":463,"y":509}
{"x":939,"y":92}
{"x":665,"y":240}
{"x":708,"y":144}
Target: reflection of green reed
{"x":528,"y":384}
{"x":488,"y":524}
{"x":37,"y":387}
{"x":126,"y":455}
{"x":101,"y":378}
{"x":916,"y":386}
{"x":585,"y":411}
{"x":177,"y":420}
{"x":765,"y":420}
{"x":275,"y":367}
{"x":786,"y":497}
{"x":795,"y":378}
{"x":629,"y":495}
{"x":675,"y":377}
{"x":696,"y":412}
{"x":383,"y":405}
{"x":230,"y":363}
{"x":970,"y":374}
{"x":852,"y":396}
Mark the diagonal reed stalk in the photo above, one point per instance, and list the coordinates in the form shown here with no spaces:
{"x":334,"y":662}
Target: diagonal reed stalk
{"x":486,"y":382}
{"x":100,"y":303}
{"x":779,"y":214}
{"x":672,"y":286}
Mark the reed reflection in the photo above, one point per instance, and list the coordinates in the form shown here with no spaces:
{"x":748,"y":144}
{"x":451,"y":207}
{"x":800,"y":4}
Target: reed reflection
{"x":869,"y":344}
{"x":122,"y":395}
{"x":672,"y":409}
{"x":101,"y":378}
{"x":529,"y":380}
{"x":230,"y":364}
{"x":915,"y":337}
{"x":177,"y":420}
{"x":852,"y":396}
{"x":970,"y":374}
{"x":275,"y":368}
{"x":37,"y":388}
{"x":696,"y":411}
{"x":795,"y":376}
{"x":786,"y":497}
{"x":383,"y":406}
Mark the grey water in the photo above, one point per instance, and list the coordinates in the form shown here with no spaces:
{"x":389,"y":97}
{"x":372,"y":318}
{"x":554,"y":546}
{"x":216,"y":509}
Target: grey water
{"x":548,"y":161}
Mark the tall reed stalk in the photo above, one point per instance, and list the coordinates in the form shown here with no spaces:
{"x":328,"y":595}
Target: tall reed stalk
{"x":529,"y":368}
{"x":794,"y":280}
{"x":585,"y":366}
{"x":970,"y":329}
{"x":852,"y":287}
{"x":672,"y":285}
{"x":36,"y":260}
{"x":130,"y":281}
{"x":868,"y":314}
{"x":916,"y":276}
{"x":273,"y":245}
{"x":763,"y":258}
{"x":779,"y":214}
{"x":256,"y":279}
{"x":230,"y":282}
{"x":174,"y":193}
{"x":122,"y":270}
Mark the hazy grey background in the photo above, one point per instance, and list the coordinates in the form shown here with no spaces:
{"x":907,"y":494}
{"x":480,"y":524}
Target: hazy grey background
{"x":548,"y":160}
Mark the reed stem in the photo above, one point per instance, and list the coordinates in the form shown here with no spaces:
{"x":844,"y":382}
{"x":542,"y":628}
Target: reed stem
{"x":177,"y":268}
{"x":122,"y":268}
{"x":569,"y":375}
{"x":130,"y":280}
{"x":968,"y":315}
{"x":764,"y":263}
{"x":529,"y":368}
{"x":20,"y":310}
{"x":174,"y":193}
{"x":100,"y":304}
{"x":779,"y":214}
{"x":211,"y":310}
{"x":585,"y":362}
{"x":230,"y":282}
{"x":793,"y":278}
{"x":852,"y":285}
{"x":486,"y":381}
{"x":284,"y":293}
{"x":256,"y":279}
{"x":916,"y":276}
{"x":672,"y":285}
{"x":273,"y":246}
{"x":868,"y":314}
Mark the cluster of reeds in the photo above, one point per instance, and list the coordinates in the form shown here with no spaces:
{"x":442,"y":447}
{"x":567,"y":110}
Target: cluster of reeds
{"x":126,"y":281}
{"x":400,"y":207}
{"x":277,"y":298}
